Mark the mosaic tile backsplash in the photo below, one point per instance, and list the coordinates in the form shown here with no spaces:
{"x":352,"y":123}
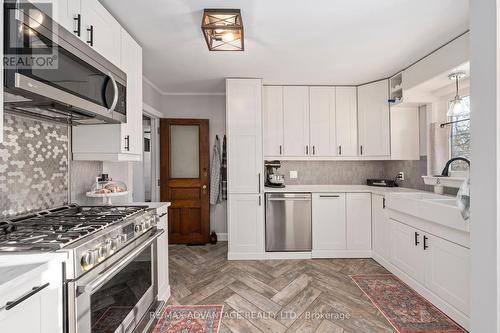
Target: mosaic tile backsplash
{"x":33,"y":165}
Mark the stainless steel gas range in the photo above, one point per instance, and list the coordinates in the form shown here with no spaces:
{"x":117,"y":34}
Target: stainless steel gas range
{"x":110,"y":273}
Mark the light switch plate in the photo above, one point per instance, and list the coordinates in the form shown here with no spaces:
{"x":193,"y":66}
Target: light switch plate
{"x":294,"y":175}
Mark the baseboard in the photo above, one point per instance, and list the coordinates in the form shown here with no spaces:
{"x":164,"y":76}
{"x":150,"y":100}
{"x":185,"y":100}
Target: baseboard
{"x":164,"y":295}
{"x":269,"y":256}
{"x":222,"y":236}
{"x":341,"y":254}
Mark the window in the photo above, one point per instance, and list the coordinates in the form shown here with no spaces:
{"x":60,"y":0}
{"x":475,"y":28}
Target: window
{"x":460,"y":139}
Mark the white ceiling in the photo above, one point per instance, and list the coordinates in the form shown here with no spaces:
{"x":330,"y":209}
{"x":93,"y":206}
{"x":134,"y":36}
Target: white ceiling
{"x":311,"y":42}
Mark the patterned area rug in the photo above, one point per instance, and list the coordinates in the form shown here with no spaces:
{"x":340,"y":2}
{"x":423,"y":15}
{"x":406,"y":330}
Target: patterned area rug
{"x":404,"y":308}
{"x":190,"y":319}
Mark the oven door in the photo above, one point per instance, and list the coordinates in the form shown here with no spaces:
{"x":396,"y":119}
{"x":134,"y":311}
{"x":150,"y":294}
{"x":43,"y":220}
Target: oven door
{"x":63,"y":70}
{"x":115,"y":297}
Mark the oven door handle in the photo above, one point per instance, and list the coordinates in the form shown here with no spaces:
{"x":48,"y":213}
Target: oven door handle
{"x":116,"y":92}
{"x":108,"y":274}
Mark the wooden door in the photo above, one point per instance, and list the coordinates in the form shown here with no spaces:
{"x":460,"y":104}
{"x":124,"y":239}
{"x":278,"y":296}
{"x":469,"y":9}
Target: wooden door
{"x":346,"y":119}
{"x":296,"y":121}
{"x":374,"y":122}
{"x":184,"y":179}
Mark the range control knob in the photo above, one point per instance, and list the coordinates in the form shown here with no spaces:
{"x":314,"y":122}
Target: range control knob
{"x":102,"y":252}
{"x":88,"y":260}
{"x":122,"y":238}
{"x":139,"y":227}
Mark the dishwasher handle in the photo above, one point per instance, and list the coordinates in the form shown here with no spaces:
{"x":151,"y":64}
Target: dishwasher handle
{"x":288,"y":199}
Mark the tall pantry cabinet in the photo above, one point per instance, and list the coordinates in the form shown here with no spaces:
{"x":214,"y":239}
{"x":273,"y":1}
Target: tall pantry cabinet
{"x":245,"y":168}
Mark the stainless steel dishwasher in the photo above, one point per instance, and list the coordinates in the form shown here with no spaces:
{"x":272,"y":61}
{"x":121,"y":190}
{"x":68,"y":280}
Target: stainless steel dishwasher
{"x":288,"y":222}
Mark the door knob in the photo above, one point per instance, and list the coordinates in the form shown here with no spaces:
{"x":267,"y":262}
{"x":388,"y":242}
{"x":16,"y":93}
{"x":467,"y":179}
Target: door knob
{"x":204,"y":187}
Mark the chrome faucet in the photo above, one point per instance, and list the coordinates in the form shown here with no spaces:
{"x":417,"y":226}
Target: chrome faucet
{"x":446,"y":170}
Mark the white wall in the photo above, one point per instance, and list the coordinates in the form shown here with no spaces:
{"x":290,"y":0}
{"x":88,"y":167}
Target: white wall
{"x":213,"y":108}
{"x":485,"y":169}
{"x":150,"y":94}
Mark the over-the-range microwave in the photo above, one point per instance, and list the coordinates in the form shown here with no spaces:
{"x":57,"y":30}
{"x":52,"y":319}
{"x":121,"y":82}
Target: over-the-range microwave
{"x":51,"y":73}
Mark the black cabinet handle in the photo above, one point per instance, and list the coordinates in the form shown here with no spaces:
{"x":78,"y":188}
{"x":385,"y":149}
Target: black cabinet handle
{"x":281,"y":150}
{"x":35,"y":290}
{"x":340,"y":150}
{"x":383,"y":203}
{"x":260,"y":201}
{"x":78,"y":20}
{"x":127,"y":142}
{"x":330,"y":196}
{"x":307,"y":150}
{"x":361,"y":149}
{"x":259,"y":185}
{"x":314,"y":150}
{"x":417,"y":238}
{"x":425,"y":243}
{"x":91,"y":32}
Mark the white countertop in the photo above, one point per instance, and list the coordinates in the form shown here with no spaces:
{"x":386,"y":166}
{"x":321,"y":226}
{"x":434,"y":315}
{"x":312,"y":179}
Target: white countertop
{"x":9,"y":273}
{"x":339,"y":188}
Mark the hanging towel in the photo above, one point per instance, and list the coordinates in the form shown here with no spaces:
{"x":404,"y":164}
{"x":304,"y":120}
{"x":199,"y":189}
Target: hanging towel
{"x":463,"y":199}
{"x":215,"y":174}
{"x":224,"y":169}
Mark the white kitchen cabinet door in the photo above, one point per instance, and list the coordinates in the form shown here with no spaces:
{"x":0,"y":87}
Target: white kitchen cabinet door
{"x":65,"y":12}
{"x":346,"y":119}
{"x":374,"y":119}
{"x":246,"y":223}
{"x":406,"y":250}
{"x":244,"y":135}
{"x":296,"y":121}
{"x":380,"y":228}
{"x":328,"y":221}
{"x":447,"y":272}
{"x":272,"y":100}
{"x":101,"y":30}
{"x":322,"y":121}
{"x":405,"y":133}
{"x":359,"y":221}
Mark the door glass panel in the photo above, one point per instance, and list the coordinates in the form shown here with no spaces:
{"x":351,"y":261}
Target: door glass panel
{"x":111,"y":304}
{"x":184,"y":151}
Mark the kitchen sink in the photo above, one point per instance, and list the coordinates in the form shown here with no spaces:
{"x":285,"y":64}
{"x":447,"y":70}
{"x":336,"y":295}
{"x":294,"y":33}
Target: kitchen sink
{"x":440,"y":209}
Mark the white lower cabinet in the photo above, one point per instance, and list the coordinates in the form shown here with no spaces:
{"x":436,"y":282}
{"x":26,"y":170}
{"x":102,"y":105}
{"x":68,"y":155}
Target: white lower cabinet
{"x":33,"y":303}
{"x":359,"y":222}
{"x":447,"y":272}
{"x":437,"y":268}
{"x":245,"y":226}
{"x":406,"y":253}
{"x":380,"y":229}
{"x":328,"y":223}
{"x":341,"y":225}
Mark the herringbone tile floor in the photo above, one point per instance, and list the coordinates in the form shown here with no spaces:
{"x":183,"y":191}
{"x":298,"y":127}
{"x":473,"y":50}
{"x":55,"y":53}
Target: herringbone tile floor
{"x":276,"y":295}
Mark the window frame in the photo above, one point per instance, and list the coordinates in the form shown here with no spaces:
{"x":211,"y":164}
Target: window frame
{"x":456,"y":173}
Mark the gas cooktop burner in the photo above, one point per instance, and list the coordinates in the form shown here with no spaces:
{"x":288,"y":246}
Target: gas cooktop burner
{"x":54,"y":229}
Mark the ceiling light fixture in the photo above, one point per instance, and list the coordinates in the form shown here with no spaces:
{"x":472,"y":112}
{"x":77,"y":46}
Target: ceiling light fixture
{"x":457,"y":107}
{"x":223,"y":29}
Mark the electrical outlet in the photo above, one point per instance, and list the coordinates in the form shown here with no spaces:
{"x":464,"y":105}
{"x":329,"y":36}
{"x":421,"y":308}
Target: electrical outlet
{"x":294,"y":175}
{"x":401,"y":175}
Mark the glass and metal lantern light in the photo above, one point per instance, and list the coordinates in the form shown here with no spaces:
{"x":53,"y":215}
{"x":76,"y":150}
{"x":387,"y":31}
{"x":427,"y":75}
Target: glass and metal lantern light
{"x":223,"y":29}
{"x":458,"y":107}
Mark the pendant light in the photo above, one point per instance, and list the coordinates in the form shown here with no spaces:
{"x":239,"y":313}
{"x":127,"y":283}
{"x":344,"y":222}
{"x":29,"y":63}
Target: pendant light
{"x":457,"y":107}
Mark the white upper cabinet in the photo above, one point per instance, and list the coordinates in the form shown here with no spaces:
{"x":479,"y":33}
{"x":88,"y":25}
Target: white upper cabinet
{"x":374,"y":119}
{"x":346,"y":121}
{"x":296,"y":121}
{"x":101,"y":30}
{"x":244,"y":135}
{"x":272,"y":100}
{"x":322,"y":121}
{"x":405,"y":133}
{"x":67,"y":14}
{"x":120,"y":142}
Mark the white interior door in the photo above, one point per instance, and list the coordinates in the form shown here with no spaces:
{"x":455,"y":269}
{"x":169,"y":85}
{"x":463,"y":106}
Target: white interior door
{"x":346,"y":121}
{"x":296,"y":124}
{"x":272,"y":101}
{"x":322,"y":121}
